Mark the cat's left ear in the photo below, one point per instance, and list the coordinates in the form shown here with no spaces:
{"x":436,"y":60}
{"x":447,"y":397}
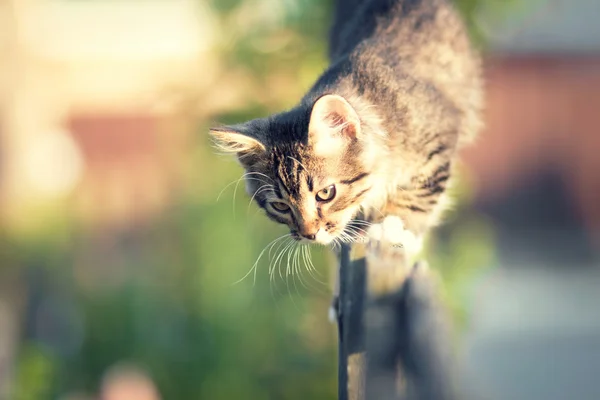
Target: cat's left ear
{"x":333,"y":121}
{"x":243,"y":140}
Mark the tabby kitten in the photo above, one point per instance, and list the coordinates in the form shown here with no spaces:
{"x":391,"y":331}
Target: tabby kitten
{"x":377,"y":133}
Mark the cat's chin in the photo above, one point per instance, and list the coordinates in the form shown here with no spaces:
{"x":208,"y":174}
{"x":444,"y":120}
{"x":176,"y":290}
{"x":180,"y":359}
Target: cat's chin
{"x":323,"y":237}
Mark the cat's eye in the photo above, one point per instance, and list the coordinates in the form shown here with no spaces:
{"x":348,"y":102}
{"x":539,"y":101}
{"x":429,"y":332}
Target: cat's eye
{"x":280,"y":206}
{"x":326,"y":194}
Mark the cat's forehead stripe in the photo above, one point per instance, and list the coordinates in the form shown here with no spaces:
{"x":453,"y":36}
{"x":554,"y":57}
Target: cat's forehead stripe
{"x":355,"y":179}
{"x":282,"y":187}
{"x":309,"y":182}
{"x":289,"y":174}
{"x":288,"y":185}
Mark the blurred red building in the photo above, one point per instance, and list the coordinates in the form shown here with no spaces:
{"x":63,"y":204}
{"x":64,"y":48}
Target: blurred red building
{"x":543,"y":99}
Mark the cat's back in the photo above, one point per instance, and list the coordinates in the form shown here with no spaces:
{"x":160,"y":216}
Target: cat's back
{"x":424,"y":39}
{"x":407,"y":31}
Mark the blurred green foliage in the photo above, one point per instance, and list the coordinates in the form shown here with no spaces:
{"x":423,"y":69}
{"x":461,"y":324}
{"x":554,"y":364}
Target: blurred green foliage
{"x":161,"y":294}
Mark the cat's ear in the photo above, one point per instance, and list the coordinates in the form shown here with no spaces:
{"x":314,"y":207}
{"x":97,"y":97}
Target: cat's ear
{"x":242,"y":140}
{"x":332,"y":121}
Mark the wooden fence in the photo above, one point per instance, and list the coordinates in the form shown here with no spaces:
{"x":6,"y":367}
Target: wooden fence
{"x":393,"y":342}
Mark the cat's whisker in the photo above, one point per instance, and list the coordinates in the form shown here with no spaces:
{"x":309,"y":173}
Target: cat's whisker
{"x":272,"y":264}
{"x":302,"y":257}
{"x":312,"y":265}
{"x":335,"y":243}
{"x":278,"y":256}
{"x":378,"y":210}
{"x":254,"y":266}
{"x":358,"y":226}
{"x":308,"y":262}
{"x":271,"y":246}
{"x":289,"y":249}
{"x":271,"y":249}
{"x":342,"y":237}
{"x":234,"y":195}
{"x":259,"y":174}
{"x":288,"y":266}
{"x":297,"y":269}
{"x":287,"y":270}
{"x":271,"y":258}
{"x":247,"y":175}
{"x":346,"y":238}
{"x":263,"y":187}
{"x":310,"y":268}
{"x":300,"y":268}
{"x":358,"y":232}
{"x":299,"y":163}
{"x":294,"y":260}
{"x":356,"y":229}
{"x":274,"y":260}
{"x":234,"y":182}
{"x":277,"y":262}
{"x":352,"y":235}
{"x":360,"y":222}
{"x":360,"y":229}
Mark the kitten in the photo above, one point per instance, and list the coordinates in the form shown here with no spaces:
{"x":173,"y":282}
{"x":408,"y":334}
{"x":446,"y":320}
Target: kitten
{"x":377,"y":133}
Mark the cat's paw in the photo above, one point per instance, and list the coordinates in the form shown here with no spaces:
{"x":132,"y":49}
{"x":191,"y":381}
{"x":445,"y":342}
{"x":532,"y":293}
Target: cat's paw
{"x":388,"y":254}
{"x":389,"y":239}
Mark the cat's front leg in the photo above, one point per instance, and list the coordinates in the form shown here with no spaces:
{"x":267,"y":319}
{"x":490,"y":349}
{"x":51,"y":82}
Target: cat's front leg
{"x":391,"y":238}
{"x":390,"y":251}
{"x":390,"y":254}
{"x":420,"y":203}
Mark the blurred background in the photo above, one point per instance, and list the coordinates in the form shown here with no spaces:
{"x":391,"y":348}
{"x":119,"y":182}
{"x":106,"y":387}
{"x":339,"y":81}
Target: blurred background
{"x":121,"y":243}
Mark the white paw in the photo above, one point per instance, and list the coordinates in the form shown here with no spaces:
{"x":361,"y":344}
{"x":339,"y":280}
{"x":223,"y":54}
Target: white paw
{"x":391,"y":232}
{"x":390,"y":255}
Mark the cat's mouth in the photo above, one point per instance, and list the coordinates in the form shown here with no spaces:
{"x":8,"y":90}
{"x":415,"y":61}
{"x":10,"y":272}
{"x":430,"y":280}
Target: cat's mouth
{"x":323,"y":237}
{"x":320,"y":237}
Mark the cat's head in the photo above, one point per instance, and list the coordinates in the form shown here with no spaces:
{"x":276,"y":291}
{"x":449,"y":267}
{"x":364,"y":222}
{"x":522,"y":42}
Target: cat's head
{"x":308,"y":168}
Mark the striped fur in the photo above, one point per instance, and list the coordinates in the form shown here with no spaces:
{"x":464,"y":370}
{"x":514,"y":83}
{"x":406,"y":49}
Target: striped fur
{"x":382,"y":123}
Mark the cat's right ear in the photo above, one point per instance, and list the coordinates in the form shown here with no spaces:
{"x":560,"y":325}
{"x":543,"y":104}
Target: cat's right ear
{"x":333,"y":122}
{"x":242,"y":140}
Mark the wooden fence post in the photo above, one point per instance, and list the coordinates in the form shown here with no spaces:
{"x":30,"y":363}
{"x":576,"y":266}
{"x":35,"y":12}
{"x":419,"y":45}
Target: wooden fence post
{"x":394,"y":339}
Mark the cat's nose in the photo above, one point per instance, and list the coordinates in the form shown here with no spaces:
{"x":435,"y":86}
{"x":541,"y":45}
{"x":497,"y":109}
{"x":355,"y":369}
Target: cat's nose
{"x":311,"y":236}
{"x":308,"y":232}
